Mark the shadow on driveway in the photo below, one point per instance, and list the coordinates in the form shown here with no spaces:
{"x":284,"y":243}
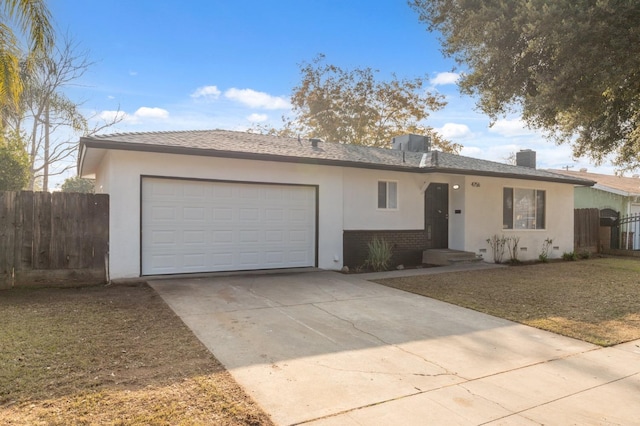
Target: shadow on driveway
{"x":324,"y":347}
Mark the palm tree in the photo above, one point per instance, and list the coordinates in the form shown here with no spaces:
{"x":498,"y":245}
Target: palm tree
{"x":32,"y":19}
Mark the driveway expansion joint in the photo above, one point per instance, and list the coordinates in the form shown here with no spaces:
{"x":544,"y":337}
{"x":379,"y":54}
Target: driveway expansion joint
{"x":377,"y":338}
{"x":599,"y":385}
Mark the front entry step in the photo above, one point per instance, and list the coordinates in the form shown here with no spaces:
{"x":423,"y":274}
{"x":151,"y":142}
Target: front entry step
{"x":443,"y":257}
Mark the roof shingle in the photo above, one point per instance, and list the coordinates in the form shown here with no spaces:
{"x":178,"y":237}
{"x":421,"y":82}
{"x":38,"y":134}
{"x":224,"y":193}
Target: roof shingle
{"x":225,"y":143}
{"x":629,"y":185}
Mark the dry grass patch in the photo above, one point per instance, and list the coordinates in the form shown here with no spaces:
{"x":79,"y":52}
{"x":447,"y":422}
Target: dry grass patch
{"x":109,"y":355}
{"x":595,"y":300}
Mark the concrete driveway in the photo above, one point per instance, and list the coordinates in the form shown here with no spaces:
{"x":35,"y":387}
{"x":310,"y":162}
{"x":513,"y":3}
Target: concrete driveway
{"x":322,"y":348}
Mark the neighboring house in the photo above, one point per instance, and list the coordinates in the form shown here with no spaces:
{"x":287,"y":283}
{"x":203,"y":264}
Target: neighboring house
{"x":617,"y":193}
{"x":615,"y":197}
{"x":201,"y":201}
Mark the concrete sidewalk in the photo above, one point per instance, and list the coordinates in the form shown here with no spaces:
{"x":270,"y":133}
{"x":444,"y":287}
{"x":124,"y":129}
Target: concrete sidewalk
{"x":324,"y":348}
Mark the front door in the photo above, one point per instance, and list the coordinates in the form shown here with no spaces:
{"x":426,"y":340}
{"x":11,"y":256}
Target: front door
{"x":436,"y":215}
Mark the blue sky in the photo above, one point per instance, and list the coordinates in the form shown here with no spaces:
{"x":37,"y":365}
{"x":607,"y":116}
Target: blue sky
{"x":169,"y":65}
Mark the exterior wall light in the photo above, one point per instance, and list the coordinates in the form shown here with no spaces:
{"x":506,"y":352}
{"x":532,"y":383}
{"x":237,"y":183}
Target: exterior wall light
{"x":456,"y":186}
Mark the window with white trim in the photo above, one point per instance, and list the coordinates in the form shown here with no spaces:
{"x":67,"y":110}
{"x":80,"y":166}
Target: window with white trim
{"x":387,"y":195}
{"x":523,"y":208}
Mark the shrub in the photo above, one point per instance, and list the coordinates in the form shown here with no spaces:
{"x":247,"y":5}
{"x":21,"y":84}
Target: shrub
{"x":497,"y":244}
{"x":584,"y":254}
{"x":379,"y":256}
{"x":512,"y":244}
{"x":569,"y":256}
{"x":544,"y":254}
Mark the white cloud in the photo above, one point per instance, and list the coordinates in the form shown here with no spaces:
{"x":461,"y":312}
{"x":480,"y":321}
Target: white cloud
{"x":454,"y":130}
{"x":141,"y":114}
{"x":257,"y":118}
{"x":110,"y":116}
{"x":510,"y":128}
{"x":153,"y":113}
{"x":256,"y":99}
{"x":445,"y":78}
{"x":111,"y":97}
{"x":133,"y":73}
{"x":209,"y":93}
{"x":471,"y":151}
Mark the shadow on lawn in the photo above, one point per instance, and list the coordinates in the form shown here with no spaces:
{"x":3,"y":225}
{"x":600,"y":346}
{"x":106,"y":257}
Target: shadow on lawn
{"x":101,"y":354}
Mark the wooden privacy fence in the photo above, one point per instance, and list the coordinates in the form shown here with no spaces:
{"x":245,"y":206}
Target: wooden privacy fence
{"x":53,"y":239}
{"x":586,"y":230}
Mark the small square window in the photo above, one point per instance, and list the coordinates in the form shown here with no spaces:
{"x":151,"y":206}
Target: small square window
{"x":387,"y":195}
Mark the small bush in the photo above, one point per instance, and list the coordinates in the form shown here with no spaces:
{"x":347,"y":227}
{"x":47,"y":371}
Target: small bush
{"x":569,"y":256}
{"x":512,"y":244}
{"x":584,"y":254}
{"x":544,"y":254}
{"x":380,"y":252}
{"x":497,"y":244}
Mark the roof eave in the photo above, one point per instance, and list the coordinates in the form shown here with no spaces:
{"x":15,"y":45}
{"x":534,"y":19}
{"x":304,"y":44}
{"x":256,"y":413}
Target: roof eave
{"x":168,"y":149}
{"x":514,"y":176}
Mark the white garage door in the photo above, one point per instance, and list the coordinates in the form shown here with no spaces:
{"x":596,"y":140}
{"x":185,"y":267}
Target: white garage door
{"x":200,"y":226}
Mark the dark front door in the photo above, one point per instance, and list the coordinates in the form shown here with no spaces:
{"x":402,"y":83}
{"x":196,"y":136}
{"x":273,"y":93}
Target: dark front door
{"x":436,"y":215}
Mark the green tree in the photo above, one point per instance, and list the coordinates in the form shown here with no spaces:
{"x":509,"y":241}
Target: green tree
{"x":47,"y":116}
{"x":570,"y":67}
{"x":352,"y":106}
{"x":14,"y":163}
{"x":32,"y":18}
{"x":78,"y":184}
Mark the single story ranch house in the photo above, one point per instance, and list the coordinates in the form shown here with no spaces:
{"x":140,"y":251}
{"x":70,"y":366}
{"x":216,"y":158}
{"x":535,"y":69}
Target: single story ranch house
{"x":204,"y":201}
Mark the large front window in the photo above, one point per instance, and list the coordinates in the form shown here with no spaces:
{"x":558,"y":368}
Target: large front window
{"x":523,"y":208}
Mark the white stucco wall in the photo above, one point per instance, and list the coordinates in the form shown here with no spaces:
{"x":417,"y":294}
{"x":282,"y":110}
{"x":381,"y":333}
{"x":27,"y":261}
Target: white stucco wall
{"x":123,"y":169}
{"x":484,"y":217}
{"x":347,"y":201}
{"x":361,"y":200}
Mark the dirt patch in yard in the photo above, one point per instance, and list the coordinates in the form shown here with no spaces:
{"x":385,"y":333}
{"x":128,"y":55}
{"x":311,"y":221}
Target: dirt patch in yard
{"x":109,"y":355}
{"x":596,"y":300}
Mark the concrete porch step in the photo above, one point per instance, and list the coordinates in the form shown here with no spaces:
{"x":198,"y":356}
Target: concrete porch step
{"x":448,"y":256}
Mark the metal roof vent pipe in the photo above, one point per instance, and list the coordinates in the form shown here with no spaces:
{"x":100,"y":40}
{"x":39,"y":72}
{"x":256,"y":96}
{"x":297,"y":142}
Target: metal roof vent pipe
{"x":315,"y":141}
{"x":526,"y":158}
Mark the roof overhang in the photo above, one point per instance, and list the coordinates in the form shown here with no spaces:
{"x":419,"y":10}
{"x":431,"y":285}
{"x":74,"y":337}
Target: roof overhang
{"x":93,"y":150}
{"x":89,"y":160}
{"x":616,"y":191}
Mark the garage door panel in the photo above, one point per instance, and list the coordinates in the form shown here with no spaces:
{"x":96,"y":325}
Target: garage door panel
{"x":164,"y":237}
{"x":195,"y":226}
{"x":274,"y":236}
{"x":249,"y":214}
{"x":274,"y":215}
{"x":194,"y":236}
{"x":249,"y":236}
{"x":222,"y":213}
{"x":222,"y":260}
{"x":222,"y":237}
{"x":169,"y":213}
{"x":193,"y":213}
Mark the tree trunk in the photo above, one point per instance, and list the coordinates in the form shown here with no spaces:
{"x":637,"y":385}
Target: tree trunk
{"x":45,"y":171}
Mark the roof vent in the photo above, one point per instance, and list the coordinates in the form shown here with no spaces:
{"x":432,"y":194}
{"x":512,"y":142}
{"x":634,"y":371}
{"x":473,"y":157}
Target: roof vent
{"x":526,"y":158}
{"x":412,"y":143}
{"x":315,"y":141}
{"x":583,"y":170}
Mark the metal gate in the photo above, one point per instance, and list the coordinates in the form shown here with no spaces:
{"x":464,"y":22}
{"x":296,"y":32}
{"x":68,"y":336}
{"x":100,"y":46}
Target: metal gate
{"x":627,"y":228}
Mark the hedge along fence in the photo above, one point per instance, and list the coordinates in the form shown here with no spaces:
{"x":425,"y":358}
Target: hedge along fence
{"x":53,"y":239}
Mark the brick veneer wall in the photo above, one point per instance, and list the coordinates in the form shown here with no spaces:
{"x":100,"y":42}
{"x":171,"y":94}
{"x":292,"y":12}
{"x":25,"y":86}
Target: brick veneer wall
{"x":407,"y":246}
